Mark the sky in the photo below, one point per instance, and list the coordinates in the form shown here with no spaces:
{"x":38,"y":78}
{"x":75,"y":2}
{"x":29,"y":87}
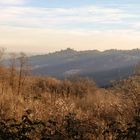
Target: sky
{"x":42,"y":26}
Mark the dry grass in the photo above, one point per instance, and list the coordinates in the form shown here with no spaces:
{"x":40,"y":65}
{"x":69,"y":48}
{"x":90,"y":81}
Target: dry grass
{"x":46,"y":98}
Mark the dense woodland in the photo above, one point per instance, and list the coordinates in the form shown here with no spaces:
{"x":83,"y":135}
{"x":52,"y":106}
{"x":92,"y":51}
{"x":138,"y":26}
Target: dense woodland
{"x":44,"y":108}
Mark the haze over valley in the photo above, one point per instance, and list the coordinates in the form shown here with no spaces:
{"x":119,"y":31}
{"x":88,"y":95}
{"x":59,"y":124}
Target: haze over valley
{"x":103,"y":67}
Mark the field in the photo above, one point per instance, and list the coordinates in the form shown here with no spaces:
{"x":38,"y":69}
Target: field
{"x":44,"y":108}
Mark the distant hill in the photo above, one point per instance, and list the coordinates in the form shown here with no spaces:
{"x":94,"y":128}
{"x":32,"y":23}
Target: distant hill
{"x":103,"y":67}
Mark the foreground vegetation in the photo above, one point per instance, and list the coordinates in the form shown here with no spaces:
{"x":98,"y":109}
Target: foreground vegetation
{"x":43,"y":108}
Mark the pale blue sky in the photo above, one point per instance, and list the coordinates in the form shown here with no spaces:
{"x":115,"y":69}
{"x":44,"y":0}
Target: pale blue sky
{"x":49,"y":25}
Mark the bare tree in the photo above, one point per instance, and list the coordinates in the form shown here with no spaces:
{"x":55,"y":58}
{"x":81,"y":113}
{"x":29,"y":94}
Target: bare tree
{"x":23,"y":71}
{"x":3,"y":71}
{"x":12,"y":72}
{"x":2,"y":52}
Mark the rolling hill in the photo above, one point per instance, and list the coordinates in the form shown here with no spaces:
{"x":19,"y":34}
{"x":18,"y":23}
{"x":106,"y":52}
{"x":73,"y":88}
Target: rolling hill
{"x":103,"y":67}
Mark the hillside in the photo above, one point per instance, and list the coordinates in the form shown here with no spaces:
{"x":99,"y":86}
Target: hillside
{"x":103,"y":67}
{"x":44,"y":108}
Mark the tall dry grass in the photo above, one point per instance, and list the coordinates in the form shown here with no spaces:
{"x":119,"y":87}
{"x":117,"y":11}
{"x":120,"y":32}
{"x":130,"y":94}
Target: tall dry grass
{"x":74,"y":109}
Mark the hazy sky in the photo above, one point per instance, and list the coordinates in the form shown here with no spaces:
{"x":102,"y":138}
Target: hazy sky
{"x":49,"y":25}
